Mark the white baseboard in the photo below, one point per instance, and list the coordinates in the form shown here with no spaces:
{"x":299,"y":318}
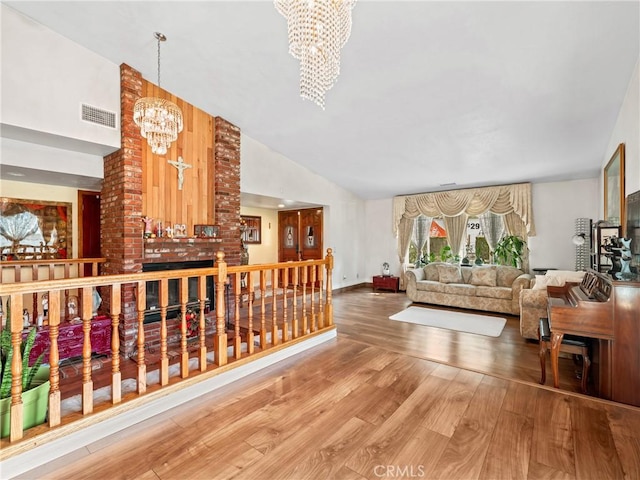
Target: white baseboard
{"x":48,"y":452}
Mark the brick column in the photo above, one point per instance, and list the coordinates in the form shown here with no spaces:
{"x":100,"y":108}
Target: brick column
{"x":227,"y":188}
{"x":121,"y":205}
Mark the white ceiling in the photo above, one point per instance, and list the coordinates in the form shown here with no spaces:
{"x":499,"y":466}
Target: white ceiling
{"x":430,"y":93}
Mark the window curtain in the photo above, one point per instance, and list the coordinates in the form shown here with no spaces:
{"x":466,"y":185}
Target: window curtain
{"x":405,"y":229}
{"x":456,"y":229}
{"x":514,"y":225}
{"x":421,"y":233}
{"x":493,"y":228}
{"x":500,"y":200}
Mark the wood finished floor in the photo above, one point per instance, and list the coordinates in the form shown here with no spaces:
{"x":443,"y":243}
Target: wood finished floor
{"x":373,"y":404}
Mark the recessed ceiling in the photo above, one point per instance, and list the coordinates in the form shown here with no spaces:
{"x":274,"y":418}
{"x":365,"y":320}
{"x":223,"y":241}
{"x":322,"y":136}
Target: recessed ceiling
{"x":430,"y":93}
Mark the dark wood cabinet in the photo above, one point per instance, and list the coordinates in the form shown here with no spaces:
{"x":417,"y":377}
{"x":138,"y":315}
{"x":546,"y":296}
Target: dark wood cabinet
{"x":386,"y":282}
{"x":70,"y":339}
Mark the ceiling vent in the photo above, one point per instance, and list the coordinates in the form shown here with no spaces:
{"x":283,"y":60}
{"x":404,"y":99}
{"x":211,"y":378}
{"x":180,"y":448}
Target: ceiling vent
{"x":99,"y":116}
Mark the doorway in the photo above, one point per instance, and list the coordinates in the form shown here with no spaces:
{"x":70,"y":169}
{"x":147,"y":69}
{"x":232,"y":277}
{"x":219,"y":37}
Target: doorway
{"x":89,"y":227}
{"x":300,"y":234}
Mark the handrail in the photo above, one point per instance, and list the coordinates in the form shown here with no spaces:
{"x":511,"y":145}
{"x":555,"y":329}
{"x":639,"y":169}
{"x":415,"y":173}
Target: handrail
{"x":295,"y":303}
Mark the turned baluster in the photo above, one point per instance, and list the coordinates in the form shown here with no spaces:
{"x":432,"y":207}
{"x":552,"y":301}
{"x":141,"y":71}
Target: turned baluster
{"x":202,"y":294}
{"x":312,"y":283}
{"x":164,"y":358}
{"x":295,"y":324}
{"x":250,"y":346}
{"x":184,"y":353}
{"x":274,"y":307}
{"x":263,"y":315}
{"x":87,"y":383}
{"x":54,"y":358}
{"x":320,"y":315}
{"x":220,"y":337}
{"x":16,"y":409}
{"x":237,"y":341}
{"x":141,"y":304}
{"x":34,"y":277}
{"x":285,"y":323}
{"x":305,"y":280}
{"x":116,"y":376}
{"x":328,"y":311}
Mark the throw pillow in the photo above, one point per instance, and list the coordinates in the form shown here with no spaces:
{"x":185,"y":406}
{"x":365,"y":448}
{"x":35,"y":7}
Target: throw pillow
{"x":449,"y":274}
{"x":483,"y":276}
{"x":542,"y":281}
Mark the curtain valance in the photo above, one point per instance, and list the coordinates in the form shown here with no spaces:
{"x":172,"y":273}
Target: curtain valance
{"x":501,"y":200}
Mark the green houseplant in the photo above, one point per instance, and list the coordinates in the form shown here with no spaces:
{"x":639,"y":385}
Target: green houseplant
{"x":509,"y":251}
{"x":35,"y":382}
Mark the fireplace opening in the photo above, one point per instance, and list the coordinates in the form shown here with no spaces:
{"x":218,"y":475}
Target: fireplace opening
{"x":152,"y":311}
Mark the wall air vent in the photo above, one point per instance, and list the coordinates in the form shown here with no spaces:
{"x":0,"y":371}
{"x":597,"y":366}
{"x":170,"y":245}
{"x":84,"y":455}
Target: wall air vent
{"x":99,"y":116}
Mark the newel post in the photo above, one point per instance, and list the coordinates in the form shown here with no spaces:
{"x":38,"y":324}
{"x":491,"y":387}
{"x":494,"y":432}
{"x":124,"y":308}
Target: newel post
{"x":220,"y":337}
{"x":328,"y":311}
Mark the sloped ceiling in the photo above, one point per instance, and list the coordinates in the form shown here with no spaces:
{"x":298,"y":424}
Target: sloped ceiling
{"x":430,"y":93}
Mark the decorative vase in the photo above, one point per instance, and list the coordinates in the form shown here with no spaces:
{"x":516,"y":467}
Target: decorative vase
{"x":35,"y":403}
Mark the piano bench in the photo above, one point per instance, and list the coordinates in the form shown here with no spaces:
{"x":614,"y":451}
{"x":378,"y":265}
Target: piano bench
{"x":572,"y":344}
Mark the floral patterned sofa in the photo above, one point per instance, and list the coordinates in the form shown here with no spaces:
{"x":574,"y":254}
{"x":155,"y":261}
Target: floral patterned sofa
{"x":492,"y":288}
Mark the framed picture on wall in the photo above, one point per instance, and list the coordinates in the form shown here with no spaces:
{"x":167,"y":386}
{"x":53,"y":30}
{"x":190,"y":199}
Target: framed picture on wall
{"x":251,"y":229}
{"x":34,"y":229}
{"x":614,"y":188}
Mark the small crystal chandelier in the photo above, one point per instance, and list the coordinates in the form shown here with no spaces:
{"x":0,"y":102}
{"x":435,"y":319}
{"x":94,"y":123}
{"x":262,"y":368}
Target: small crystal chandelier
{"x":159,"y":120}
{"x":318,"y":29}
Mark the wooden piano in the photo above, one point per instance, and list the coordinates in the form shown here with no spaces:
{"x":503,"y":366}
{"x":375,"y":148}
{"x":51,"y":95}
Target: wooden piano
{"x":608,"y":310}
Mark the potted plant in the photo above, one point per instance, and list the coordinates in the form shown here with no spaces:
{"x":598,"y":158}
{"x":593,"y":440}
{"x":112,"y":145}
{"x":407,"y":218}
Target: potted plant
{"x":35,"y":382}
{"x":509,"y":251}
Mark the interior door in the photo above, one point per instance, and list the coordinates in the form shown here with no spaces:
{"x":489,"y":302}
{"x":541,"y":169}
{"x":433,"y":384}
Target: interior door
{"x":300,"y":234}
{"x":288,"y":236}
{"x":89,"y":229}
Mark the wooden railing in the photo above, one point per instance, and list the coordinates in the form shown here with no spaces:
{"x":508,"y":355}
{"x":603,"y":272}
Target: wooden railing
{"x":36,"y":270}
{"x":270,"y":305}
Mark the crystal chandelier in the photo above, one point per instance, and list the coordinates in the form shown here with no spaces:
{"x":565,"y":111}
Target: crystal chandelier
{"x":159,"y":120}
{"x":318,"y":29}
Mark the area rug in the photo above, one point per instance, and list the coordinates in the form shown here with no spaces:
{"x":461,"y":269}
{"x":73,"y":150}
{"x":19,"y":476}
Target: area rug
{"x":461,"y":322}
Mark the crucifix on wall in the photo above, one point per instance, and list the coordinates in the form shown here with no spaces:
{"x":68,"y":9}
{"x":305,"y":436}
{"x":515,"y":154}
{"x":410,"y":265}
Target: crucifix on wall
{"x":181,"y":166}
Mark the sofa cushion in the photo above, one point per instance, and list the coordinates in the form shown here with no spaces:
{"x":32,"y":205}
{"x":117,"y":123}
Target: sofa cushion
{"x":429,"y":286}
{"x":484,"y":276}
{"x":460,"y":289}
{"x":431,"y":272}
{"x":566,"y":275}
{"x":503,"y":293}
{"x":506,"y":275}
{"x":449,"y":274}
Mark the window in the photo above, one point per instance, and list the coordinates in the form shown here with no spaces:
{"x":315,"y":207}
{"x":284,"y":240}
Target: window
{"x":435,"y":247}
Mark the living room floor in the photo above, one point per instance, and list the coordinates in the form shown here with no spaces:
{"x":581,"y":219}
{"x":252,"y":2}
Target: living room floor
{"x":362,"y":315}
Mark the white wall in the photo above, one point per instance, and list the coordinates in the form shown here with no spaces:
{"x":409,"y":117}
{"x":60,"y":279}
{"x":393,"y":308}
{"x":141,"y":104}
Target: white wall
{"x":627,"y":131}
{"x":45,"y":78}
{"x":555,"y":208}
{"x":266,"y":172}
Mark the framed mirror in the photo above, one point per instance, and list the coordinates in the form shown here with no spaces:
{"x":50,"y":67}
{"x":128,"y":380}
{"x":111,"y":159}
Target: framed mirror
{"x":614,"y":188}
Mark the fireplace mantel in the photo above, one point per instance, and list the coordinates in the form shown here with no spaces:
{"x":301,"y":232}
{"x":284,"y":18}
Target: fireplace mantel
{"x":180,"y":249}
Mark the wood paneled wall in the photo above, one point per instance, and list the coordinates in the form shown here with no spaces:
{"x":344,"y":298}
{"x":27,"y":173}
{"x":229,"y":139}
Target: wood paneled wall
{"x":161,"y":199}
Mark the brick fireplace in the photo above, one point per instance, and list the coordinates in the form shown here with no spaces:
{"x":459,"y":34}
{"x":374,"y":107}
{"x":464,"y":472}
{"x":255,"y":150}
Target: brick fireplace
{"x":122,"y":242}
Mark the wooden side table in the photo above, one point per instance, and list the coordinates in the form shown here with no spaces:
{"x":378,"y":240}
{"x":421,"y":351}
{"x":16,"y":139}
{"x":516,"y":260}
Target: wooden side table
{"x":386,"y":282}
